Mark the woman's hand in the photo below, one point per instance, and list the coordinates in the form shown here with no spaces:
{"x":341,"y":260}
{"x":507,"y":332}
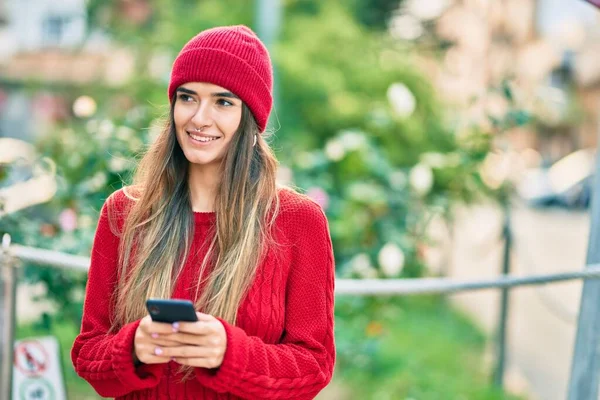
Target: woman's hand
{"x":149,"y":341}
{"x":199,"y":344}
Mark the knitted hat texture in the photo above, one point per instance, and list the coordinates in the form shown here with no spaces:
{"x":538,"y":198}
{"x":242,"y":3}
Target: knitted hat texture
{"x":232,"y":57}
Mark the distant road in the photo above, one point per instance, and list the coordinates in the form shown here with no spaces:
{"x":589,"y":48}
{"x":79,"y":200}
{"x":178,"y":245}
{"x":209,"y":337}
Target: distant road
{"x":542,"y":324}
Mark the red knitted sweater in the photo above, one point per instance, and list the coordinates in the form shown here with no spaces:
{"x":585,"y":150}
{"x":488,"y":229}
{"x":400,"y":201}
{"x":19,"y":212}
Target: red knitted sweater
{"x":282,"y":346}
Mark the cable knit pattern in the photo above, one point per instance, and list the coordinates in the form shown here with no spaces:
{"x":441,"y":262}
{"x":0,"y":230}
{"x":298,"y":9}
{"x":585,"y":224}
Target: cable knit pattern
{"x":282,"y":346}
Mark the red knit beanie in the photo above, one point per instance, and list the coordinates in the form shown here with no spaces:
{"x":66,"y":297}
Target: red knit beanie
{"x":232,"y":57}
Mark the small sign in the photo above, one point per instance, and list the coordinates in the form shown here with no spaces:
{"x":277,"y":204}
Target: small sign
{"x":37,"y":372}
{"x":36,"y":389}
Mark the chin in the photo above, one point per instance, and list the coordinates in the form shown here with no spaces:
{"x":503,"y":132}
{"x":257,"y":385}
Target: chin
{"x":203,"y":156}
{"x":202,"y":159}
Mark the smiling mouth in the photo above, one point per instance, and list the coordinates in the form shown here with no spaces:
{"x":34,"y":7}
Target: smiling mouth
{"x":203,"y":139}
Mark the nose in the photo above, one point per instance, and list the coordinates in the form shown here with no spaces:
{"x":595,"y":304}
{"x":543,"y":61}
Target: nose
{"x":203,"y":115}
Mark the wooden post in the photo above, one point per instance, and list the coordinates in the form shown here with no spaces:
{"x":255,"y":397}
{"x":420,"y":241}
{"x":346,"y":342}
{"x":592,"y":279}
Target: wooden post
{"x":585,"y":365}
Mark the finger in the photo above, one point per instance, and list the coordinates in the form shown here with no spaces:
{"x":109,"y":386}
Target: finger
{"x":161,"y":328}
{"x":199,"y":327}
{"x":193,"y":339}
{"x":150,"y":326}
{"x":203,"y":362}
{"x":152,"y":359}
{"x":163,"y":341}
{"x":190,"y":352}
{"x":149,"y":357}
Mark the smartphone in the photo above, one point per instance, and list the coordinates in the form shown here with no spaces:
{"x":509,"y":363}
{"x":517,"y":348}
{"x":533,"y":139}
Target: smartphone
{"x":171,"y":310}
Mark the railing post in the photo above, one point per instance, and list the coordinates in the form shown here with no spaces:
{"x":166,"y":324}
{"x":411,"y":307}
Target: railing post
{"x":501,"y":339}
{"x":8,"y":285}
{"x":585,"y":365}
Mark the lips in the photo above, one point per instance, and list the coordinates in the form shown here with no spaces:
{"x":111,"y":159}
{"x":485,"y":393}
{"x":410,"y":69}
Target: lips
{"x":202,"y":138}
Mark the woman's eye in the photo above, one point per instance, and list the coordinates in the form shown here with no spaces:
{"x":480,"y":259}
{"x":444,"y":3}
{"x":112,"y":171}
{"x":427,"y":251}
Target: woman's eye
{"x":223,"y":102}
{"x":185,"y":97}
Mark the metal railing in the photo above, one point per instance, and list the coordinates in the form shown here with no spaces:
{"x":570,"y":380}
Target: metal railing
{"x":381,"y":287}
{"x":13,"y":255}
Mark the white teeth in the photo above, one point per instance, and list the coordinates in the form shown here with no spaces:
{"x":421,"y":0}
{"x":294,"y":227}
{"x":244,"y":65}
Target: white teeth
{"x":202,"y":138}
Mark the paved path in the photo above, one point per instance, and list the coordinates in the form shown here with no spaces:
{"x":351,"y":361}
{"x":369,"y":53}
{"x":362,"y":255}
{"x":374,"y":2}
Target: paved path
{"x":542,"y":320}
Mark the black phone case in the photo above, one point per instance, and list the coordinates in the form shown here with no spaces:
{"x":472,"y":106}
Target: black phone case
{"x":170,"y":310}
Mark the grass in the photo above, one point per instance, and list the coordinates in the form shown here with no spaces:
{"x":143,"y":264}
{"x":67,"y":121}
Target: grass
{"x":416,"y":348}
{"x":421,"y":349}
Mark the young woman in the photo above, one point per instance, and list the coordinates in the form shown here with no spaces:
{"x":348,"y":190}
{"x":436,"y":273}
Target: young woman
{"x":205,"y":221}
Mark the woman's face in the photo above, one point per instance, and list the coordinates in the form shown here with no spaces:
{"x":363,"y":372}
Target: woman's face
{"x":206,"y":118}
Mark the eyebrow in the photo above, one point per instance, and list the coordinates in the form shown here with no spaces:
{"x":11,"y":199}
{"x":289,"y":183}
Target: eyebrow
{"x":217,"y":94}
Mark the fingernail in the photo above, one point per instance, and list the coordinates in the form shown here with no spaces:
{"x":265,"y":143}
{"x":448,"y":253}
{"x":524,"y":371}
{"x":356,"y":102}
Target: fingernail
{"x":154,"y":335}
{"x":175,"y":326}
{"x":158,"y":351}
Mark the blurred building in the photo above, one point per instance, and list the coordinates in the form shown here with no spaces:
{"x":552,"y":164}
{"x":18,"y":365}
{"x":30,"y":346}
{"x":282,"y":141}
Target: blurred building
{"x":46,"y":47}
{"x":547,"y":49}
{"x":575,"y":79}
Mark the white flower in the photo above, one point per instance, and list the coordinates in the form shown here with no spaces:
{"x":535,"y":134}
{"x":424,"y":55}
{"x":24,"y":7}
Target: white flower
{"x":405,"y":27}
{"x":84,"y":107}
{"x":441,"y":160}
{"x":427,"y":10}
{"x":391,"y":260}
{"x":402,"y":100}
{"x":97,"y":181}
{"x":421,"y":179}
{"x":433,"y":159}
{"x":124,"y":133}
{"x":366,"y":192}
{"x":105,"y":129}
{"x":361,"y":265}
{"x":117,"y":164}
{"x":353,"y":140}
{"x":334,"y":149}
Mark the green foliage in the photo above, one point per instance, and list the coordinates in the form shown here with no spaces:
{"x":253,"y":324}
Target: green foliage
{"x":409,"y":348}
{"x":374,"y":13}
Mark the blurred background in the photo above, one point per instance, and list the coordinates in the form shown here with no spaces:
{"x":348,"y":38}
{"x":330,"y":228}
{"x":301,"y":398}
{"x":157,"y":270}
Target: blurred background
{"x":418,"y":125}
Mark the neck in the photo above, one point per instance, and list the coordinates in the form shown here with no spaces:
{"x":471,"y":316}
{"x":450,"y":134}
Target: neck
{"x":202,"y":182}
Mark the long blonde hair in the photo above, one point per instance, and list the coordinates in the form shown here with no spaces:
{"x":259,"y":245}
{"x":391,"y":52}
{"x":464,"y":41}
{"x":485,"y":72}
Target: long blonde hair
{"x":159,"y":226}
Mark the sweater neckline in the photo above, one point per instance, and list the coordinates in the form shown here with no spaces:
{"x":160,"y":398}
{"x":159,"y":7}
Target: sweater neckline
{"x":204,"y":217}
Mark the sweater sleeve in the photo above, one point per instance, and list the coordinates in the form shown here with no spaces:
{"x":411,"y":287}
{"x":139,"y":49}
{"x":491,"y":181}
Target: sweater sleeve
{"x":302,"y":363}
{"x":105,"y":359}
